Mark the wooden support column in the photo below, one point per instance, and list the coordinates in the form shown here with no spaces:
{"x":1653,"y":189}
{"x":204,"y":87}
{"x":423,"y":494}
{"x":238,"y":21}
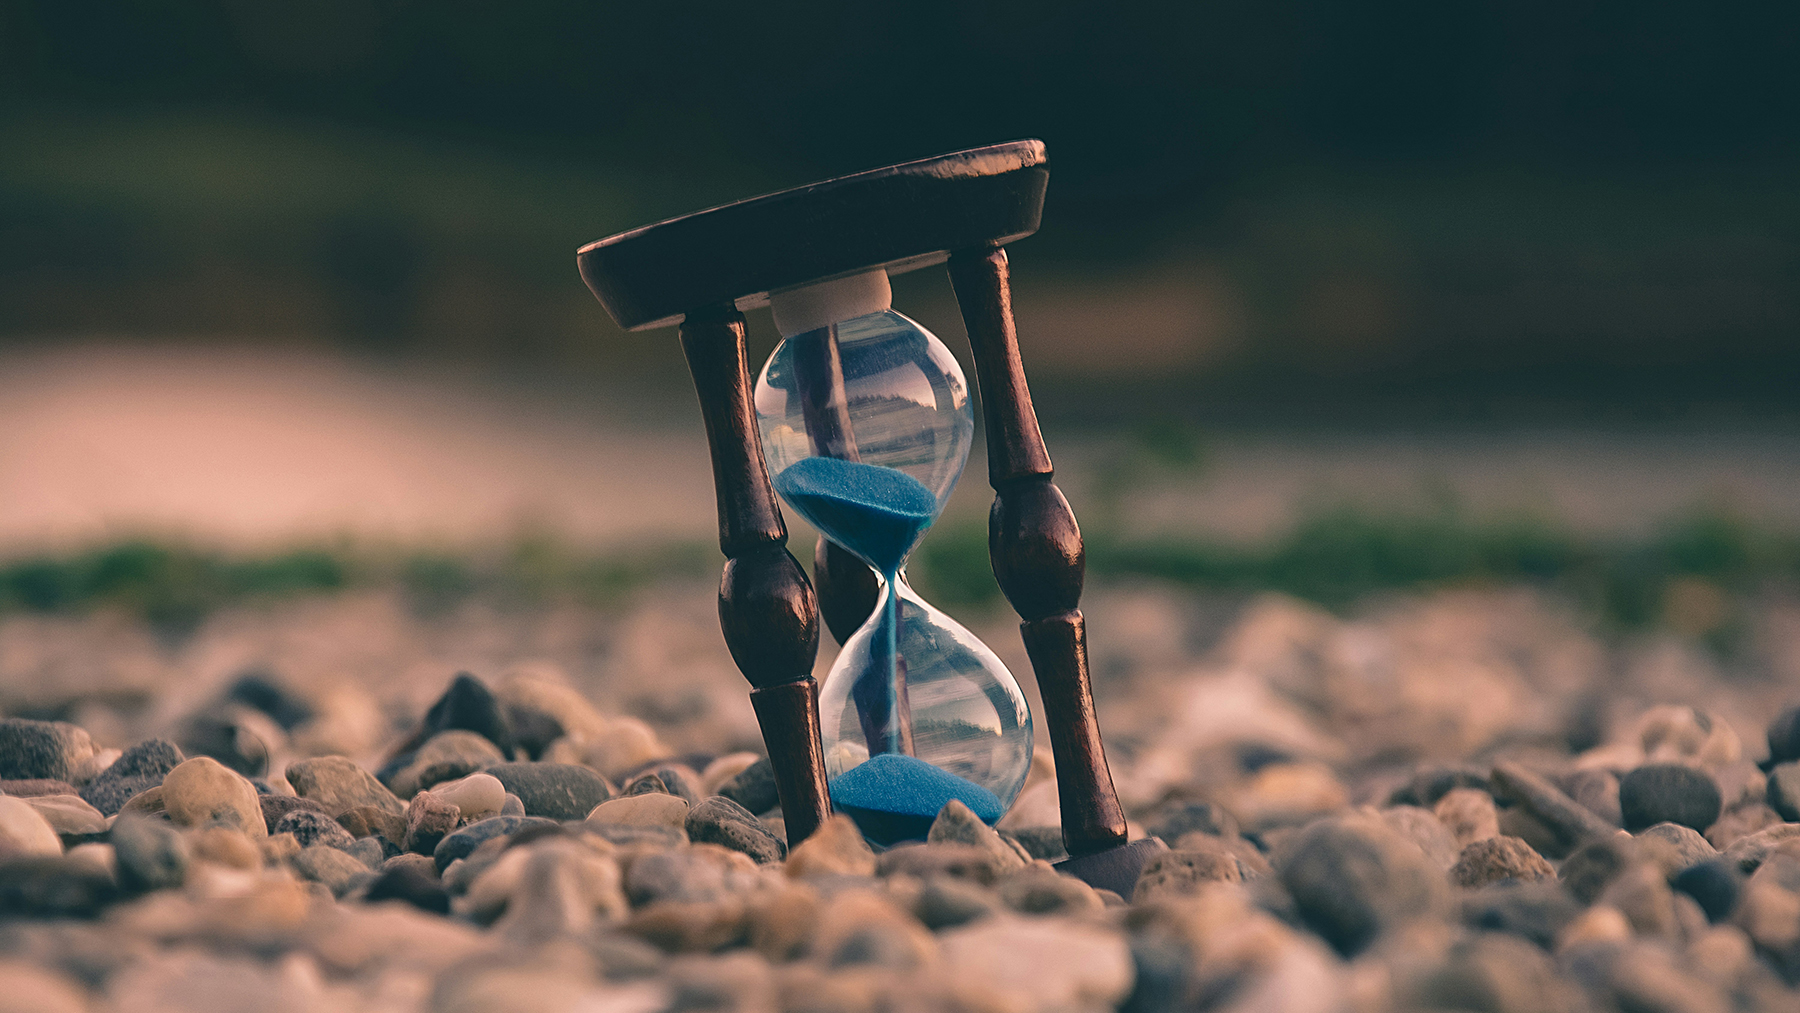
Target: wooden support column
{"x":1037,"y":554}
{"x":767,"y":608}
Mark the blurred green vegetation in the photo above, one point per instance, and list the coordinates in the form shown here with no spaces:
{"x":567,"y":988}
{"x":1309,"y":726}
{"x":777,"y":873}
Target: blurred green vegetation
{"x":1690,"y":576}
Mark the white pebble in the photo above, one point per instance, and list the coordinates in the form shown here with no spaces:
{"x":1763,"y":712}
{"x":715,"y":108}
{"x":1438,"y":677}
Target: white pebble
{"x":477,"y":795}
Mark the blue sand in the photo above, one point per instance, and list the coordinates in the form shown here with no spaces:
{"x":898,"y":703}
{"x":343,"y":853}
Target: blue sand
{"x":877,"y":513}
{"x":899,"y":785}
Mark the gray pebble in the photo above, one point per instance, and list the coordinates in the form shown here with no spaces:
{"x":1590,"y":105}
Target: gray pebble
{"x":138,"y":769}
{"x":311,"y":828}
{"x":1669,"y":792}
{"x":1351,"y":878}
{"x":152,"y":855}
{"x":753,"y":787}
{"x":558,"y":791}
{"x":1569,"y":823}
{"x":1675,"y":847}
{"x":42,"y":749}
{"x":719,"y":820}
{"x":43,"y":886}
{"x":1784,"y":790}
{"x":464,"y":842}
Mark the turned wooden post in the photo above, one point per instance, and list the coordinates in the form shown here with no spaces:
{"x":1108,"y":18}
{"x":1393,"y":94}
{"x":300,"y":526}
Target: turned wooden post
{"x":1037,"y":554}
{"x":767,"y":609}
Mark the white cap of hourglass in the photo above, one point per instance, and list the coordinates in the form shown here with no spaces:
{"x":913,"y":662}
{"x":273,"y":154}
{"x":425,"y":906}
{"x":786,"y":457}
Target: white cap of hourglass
{"x":823,"y":303}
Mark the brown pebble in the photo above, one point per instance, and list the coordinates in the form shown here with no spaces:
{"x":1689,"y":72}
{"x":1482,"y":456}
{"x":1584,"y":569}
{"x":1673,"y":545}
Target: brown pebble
{"x":227,"y":847}
{"x":36,"y":786}
{"x":371,"y":821}
{"x":1469,"y":815}
{"x":1498,"y":858}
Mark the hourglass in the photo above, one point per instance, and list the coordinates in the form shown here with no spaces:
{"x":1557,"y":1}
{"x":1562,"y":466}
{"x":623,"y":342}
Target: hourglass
{"x":862,"y":417}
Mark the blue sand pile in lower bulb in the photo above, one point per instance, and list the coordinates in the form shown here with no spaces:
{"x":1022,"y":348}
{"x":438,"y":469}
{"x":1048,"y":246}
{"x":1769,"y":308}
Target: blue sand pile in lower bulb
{"x":876,"y":512}
{"x":894,"y":797}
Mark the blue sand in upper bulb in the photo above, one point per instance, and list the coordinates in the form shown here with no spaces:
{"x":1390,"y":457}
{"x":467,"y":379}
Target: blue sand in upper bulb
{"x":900,"y":785}
{"x":876,"y":512}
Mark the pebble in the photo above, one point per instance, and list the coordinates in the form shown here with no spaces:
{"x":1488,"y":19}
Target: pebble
{"x":339,"y":785}
{"x":1205,"y":817}
{"x":1499,"y":973}
{"x":1182,"y":872}
{"x":667,"y":779}
{"x":1587,"y":872}
{"x":1748,"y":852}
{"x":944,"y":902}
{"x":367,"y":850}
{"x":1597,"y":791}
{"x":445,"y":756}
{"x":463,"y":842}
{"x":1569,"y":823}
{"x":1784,"y":736}
{"x":314,"y":828}
{"x":957,"y":824}
{"x":33,"y":787}
{"x":1674,"y":847}
{"x":540,"y":711}
{"x":837,"y":848}
{"x":225,"y":846}
{"x":68,"y":815}
{"x":723,"y":770}
{"x":862,"y":928}
{"x":651,"y":810}
{"x":701,"y":874}
{"x":1668,"y":792}
{"x":138,"y":769}
{"x":414,"y":883}
{"x":1783,"y":792}
{"x":477,"y":796}
{"x":240,"y":738}
{"x":52,"y":886}
{"x":1715,"y":885}
{"x":327,"y":865}
{"x":369,"y":821}
{"x":1038,"y":889}
{"x":1497,"y":858}
{"x":274,"y":807}
{"x":1423,"y":828}
{"x":1740,"y":822}
{"x":429,"y":819}
{"x":470,"y":706}
{"x":151,"y":854}
{"x":559,"y":791}
{"x":1534,"y":911}
{"x":1038,"y":963}
{"x":1351,"y":878}
{"x":753,"y":787}
{"x":202,"y":791}
{"x":1469,"y":815}
{"x":719,"y":820}
{"x":921,"y":860}
{"x":43,"y":749}
{"x":24,"y":831}
{"x":265,"y":692}
{"x":625,"y":746}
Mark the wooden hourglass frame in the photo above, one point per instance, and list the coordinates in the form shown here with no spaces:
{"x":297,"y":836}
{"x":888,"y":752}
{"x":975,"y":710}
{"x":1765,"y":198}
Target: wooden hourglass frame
{"x":701,"y":271}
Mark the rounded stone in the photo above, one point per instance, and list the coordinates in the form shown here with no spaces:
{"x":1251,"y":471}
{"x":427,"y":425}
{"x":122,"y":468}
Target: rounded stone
{"x":68,"y":815}
{"x":1352,"y":878}
{"x":24,"y":831}
{"x":203,"y":791}
{"x":1669,"y":793}
{"x":559,"y":791}
{"x":719,"y":820}
{"x":43,"y":749}
{"x":314,"y":828}
{"x":649,"y":810}
{"x":1784,"y":736}
{"x":339,"y":785}
{"x":1784,"y":790}
{"x":1496,"y":858}
{"x":1715,"y":886}
{"x":138,"y":769}
{"x":477,"y":796}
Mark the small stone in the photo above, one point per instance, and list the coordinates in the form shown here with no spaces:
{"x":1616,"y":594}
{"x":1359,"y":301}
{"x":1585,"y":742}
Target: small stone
{"x":626,"y":745}
{"x":239,"y":738}
{"x":1675,"y":733}
{"x":68,"y":815}
{"x":701,"y":874}
{"x":335,"y":869}
{"x":1674,"y":847}
{"x":1668,"y":792}
{"x":1040,"y":963}
{"x":1784,"y":790}
{"x":339,"y":785}
{"x":477,"y":796}
{"x":24,"y":831}
{"x":274,"y":807}
{"x":148,"y":802}
{"x":561,"y":888}
{"x":1468,"y":814}
{"x":1250,"y":862}
{"x":265,"y":692}
{"x":718,"y":820}
{"x":1784,"y":736}
{"x":1040,"y":842}
{"x":1537,"y":912}
{"x":1748,"y":852}
{"x":446,"y":756}
{"x":412,"y":884}
{"x":100,"y":856}
{"x":693,"y":928}
{"x":429,"y":819}
{"x":1597,"y":791}
{"x":469,"y":705}
{"x":755,"y":787}
{"x":36,"y":786}
{"x":464,"y":842}
{"x":837,"y":848}
{"x":1715,"y":885}
{"x":1740,"y":822}
{"x":1598,"y":924}
{"x":559,"y":791}
{"x":1742,"y":784}
{"x":1182,"y":873}
{"x":43,"y":749}
{"x":366,"y":850}
{"x":540,"y":711}
{"x":40,"y":886}
{"x":511,"y":806}
{"x":226,"y":846}
{"x":370,"y":821}
{"x":1497,"y":858}
{"x":1037,"y":889}
{"x":668,"y":779}
{"x":314,"y":828}
{"x":1288,"y":794}
{"x":1641,"y":893}
{"x":862,"y":928}
{"x":1569,"y":823}
{"x":1421,"y":827}
{"x":1501,"y":974}
{"x":956,"y":823}
{"x":945,"y":902}
{"x":1206,"y":817}
{"x":1587,"y":872}
{"x":782,"y":920}
{"x":724,"y":770}
{"x":152,"y":855}
{"x":202,"y":791}
{"x":1351,"y":878}
{"x":921,"y":860}
{"x":277,"y":849}
{"x":138,"y":769}
{"x":651,"y":810}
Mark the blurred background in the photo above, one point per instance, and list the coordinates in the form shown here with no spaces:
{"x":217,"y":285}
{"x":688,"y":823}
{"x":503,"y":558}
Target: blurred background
{"x":1330,"y":298}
